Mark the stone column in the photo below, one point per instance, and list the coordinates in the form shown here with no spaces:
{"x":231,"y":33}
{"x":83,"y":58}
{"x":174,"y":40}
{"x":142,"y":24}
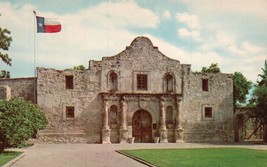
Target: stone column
{"x":163,"y":129}
{"x":105,"y":128}
{"x":178,"y":127}
{"x":123,"y":127}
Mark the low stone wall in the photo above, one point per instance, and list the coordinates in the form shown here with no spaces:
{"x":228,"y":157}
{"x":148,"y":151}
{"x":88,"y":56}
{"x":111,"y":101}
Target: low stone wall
{"x":55,"y":138}
{"x":21,"y":87}
{"x":207,"y":137}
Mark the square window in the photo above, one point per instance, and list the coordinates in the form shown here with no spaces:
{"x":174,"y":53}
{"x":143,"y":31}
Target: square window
{"x":69,"y":82}
{"x":142,"y":82}
{"x":70,"y":112}
{"x":205,"y":84}
{"x":208,"y":112}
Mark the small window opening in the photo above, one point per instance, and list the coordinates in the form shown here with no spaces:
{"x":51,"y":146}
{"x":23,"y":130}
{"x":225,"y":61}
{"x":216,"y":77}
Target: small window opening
{"x":208,"y":112}
{"x":69,"y":82}
{"x":205,"y":84}
{"x":70,"y":112}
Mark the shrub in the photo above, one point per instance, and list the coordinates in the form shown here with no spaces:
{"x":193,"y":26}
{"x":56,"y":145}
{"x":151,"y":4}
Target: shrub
{"x":19,"y":120}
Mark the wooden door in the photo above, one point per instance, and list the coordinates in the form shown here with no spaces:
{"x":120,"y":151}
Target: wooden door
{"x":142,"y":126}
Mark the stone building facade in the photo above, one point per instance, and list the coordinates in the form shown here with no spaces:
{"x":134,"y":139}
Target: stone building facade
{"x":137,"y":94}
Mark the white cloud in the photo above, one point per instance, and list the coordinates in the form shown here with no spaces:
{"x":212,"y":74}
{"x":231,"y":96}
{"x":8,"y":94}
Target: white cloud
{"x":185,"y":33}
{"x":256,"y":7}
{"x":120,"y":14}
{"x":250,"y":48}
{"x":166,"y":14}
{"x":86,"y":35}
{"x":190,"y":20}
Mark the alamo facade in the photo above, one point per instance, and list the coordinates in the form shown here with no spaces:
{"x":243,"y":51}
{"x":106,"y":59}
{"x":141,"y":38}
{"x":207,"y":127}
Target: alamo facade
{"x":138,"y":94}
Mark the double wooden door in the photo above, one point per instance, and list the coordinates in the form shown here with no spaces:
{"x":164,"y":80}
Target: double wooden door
{"x":142,"y":126}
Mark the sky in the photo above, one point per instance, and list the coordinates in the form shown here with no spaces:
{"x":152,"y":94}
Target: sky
{"x":232,"y":33}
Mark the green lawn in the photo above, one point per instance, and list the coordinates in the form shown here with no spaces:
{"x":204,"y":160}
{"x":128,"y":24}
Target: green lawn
{"x":207,"y":157}
{"x":7,"y":156}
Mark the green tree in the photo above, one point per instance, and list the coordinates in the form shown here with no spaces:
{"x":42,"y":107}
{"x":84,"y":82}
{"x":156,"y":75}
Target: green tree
{"x":80,"y":67}
{"x":4,"y":74}
{"x":260,"y":98}
{"x":213,"y":68}
{"x":5,"y":40}
{"x":19,"y":120}
{"x":241,"y":88}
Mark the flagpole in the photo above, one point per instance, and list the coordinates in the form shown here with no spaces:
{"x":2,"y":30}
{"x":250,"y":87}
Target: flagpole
{"x":34,"y":59}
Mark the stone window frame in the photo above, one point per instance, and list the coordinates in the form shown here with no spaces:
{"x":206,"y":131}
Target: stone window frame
{"x":165,"y":83}
{"x":67,"y":84}
{"x":205,"y":84}
{"x":141,"y":81}
{"x":109,"y":80}
{"x":204,"y":110}
{"x":135,"y":73}
{"x":64,"y":111}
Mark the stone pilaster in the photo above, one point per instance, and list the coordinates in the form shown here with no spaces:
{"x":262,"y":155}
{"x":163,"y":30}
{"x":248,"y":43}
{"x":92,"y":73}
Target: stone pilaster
{"x":105,"y":128}
{"x":163,"y":130}
{"x":178,"y":127}
{"x":106,"y":136}
{"x":123,"y":127}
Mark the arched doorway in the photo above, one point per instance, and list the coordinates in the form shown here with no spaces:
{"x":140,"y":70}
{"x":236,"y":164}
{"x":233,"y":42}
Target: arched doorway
{"x":142,"y":126}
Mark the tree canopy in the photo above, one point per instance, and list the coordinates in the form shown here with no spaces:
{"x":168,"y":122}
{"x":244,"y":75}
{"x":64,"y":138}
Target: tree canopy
{"x":19,"y":120}
{"x":213,"y":68}
{"x":80,"y":67}
{"x":241,"y":88}
{"x":5,"y":40}
{"x":260,"y":94}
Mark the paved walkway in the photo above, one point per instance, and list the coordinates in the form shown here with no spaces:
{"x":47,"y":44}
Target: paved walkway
{"x":96,"y":155}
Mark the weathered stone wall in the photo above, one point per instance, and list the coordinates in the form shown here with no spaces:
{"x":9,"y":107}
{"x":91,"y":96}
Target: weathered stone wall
{"x":141,"y":57}
{"x":21,"y":87}
{"x":53,"y":97}
{"x":5,"y":92}
{"x":219,"y":96}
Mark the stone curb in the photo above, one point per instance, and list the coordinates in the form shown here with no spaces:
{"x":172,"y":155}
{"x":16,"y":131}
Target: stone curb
{"x":13,"y":161}
{"x":135,"y":158}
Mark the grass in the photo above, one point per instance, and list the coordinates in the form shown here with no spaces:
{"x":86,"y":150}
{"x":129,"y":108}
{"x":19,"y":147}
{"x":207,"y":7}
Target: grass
{"x":6,"y":156}
{"x":214,"y":157}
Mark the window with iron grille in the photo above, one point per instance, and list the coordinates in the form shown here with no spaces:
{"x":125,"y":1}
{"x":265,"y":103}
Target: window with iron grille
{"x":142,"y":82}
{"x":69,"y":112}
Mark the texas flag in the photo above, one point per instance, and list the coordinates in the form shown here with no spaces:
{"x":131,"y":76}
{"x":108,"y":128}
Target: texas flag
{"x":47,"y":25}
